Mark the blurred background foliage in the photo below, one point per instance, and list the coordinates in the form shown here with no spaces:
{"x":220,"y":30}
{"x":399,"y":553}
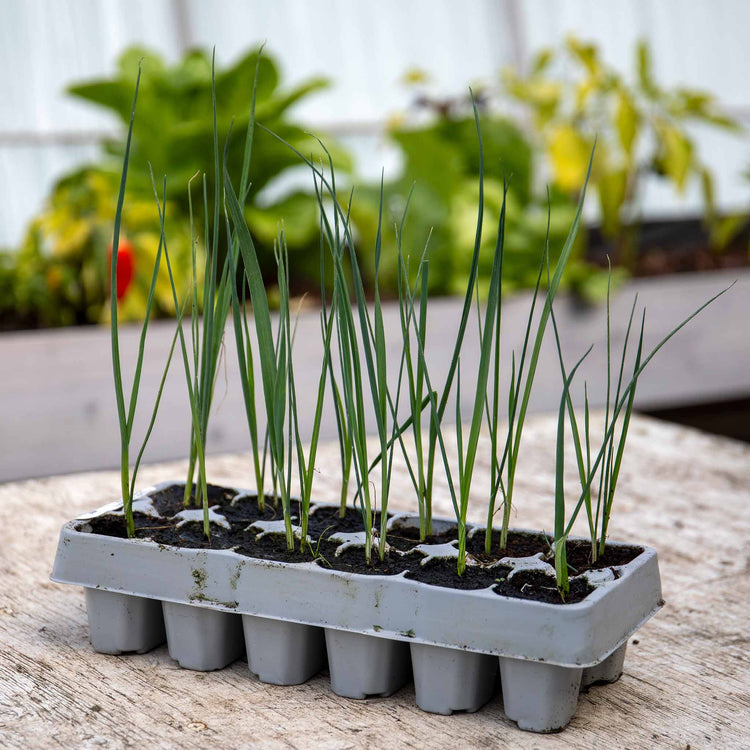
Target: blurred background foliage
{"x":538,"y":131}
{"x":441,"y":164}
{"x":60,"y":274}
{"x":641,"y":130}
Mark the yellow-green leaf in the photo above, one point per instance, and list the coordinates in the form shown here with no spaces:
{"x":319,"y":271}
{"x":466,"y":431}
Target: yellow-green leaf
{"x":727,"y":229}
{"x":626,"y":120}
{"x":612,"y":186}
{"x":678,"y":154}
{"x":583,"y":90}
{"x":541,"y":61}
{"x":569,"y":154}
{"x":586,"y":54}
{"x":709,"y":202}
{"x":645,"y":73}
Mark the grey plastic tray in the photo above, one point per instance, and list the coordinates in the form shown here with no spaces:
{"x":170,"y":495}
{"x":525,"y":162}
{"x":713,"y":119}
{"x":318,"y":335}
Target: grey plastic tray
{"x":293,"y":612}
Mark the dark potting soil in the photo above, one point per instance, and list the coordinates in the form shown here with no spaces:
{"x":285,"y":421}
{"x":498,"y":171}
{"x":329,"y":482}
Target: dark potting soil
{"x":579,"y":556}
{"x":520,"y":544}
{"x":326,"y":521}
{"x":169,"y":501}
{"x":404,"y":538}
{"x":191,"y":536}
{"x":241,"y":511}
{"x":165,"y":531}
{"x":110,"y":525}
{"x":541,"y":587}
{"x":442,"y":572}
{"x":352,"y":560}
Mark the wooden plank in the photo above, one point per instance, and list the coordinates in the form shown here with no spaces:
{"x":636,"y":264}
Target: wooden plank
{"x":59,"y":412}
{"x":686,"y":681}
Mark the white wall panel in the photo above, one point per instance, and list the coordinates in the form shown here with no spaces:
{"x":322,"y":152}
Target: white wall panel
{"x":694,"y":43}
{"x":364,"y":46}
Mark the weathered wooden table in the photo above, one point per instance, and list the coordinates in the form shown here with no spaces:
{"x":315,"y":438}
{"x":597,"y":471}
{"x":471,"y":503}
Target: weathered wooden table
{"x":686,"y":680}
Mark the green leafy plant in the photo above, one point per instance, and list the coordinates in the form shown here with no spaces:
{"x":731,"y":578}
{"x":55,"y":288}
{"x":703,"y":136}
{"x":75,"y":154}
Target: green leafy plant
{"x":61,"y":269}
{"x":522,"y":381}
{"x":439,"y":181}
{"x":62,"y":275}
{"x":423,"y":478}
{"x":273,"y":353}
{"x":416,"y":378}
{"x":278,"y":378}
{"x":641,"y":130}
{"x":505,"y":458}
{"x":369,"y":337}
{"x":176,"y":128}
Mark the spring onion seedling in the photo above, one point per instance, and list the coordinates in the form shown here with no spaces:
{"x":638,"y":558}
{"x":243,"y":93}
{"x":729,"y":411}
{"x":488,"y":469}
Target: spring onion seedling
{"x":368,"y":338}
{"x":424,"y":474}
{"x":372,"y":340}
{"x":522,"y":381}
{"x":489,"y":335}
{"x":439,"y":412}
{"x":608,"y":461}
{"x":207,"y":334}
{"x":306,"y":464}
{"x":345,"y":444}
{"x":416,"y":384}
{"x":273,"y":352}
{"x":239,"y":316}
{"x":126,"y":420}
{"x":277,"y":369}
{"x":350,"y":361}
{"x":206,"y":342}
{"x":561,"y":566}
{"x":339,"y":237}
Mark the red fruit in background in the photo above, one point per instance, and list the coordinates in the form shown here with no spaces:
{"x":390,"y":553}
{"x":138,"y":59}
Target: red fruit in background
{"x":125,"y":266}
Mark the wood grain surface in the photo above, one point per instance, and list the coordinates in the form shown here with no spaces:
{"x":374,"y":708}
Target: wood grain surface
{"x":686,"y":681}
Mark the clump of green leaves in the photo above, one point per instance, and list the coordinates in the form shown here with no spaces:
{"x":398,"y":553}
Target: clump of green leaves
{"x":60,"y":271}
{"x":282,"y":433}
{"x":274,"y":353}
{"x":641,"y":129}
{"x":486,"y":401}
{"x":201,"y":359}
{"x":503,"y":471}
{"x":439,"y":181}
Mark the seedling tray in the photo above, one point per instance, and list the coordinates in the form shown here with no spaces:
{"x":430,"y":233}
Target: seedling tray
{"x":214,"y":605}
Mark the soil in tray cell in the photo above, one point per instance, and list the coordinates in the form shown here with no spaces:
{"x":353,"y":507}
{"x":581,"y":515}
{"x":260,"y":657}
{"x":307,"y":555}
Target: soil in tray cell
{"x":325,"y":521}
{"x":169,"y":500}
{"x":541,"y":587}
{"x":442,"y":572}
{"x":352,"y":560}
